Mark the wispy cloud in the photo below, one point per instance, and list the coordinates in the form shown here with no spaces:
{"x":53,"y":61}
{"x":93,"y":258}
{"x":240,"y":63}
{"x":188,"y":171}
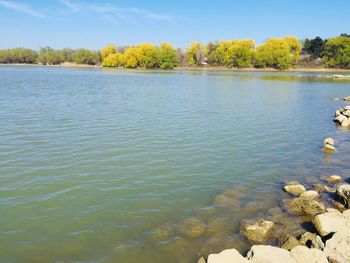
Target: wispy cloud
{"x":21,"y":8}
{"x":71,"y":6}
{"x":114,"y":13}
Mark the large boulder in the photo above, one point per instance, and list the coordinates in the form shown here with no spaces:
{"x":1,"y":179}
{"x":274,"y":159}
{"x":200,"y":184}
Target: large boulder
{"x":227,"y":256}
{"x":269,"y":254}
{"x":343,"y":193}
{"x":329,"y":222}
{"x":311,"y":240}
{"x":337,"y":248}
{"x":257,"y":231}
{"x":303,"y":254}
{"x":294,"y":188}
{"x":303,"y":206}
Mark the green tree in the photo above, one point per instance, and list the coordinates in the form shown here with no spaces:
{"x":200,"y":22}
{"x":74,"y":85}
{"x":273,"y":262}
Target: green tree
{"x":314,"y":47}
{"x":196,"y":53}
{"x":85,"y":56}
{"x":337,"y":52}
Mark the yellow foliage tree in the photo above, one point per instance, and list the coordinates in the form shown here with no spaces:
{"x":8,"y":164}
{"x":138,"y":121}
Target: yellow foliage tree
{"x":110,"y":49}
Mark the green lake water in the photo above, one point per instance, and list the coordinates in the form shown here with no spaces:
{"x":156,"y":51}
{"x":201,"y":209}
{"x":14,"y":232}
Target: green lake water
{"x":104,"y":165}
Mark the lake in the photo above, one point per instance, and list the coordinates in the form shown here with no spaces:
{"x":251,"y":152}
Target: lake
{"x":128,"y":165}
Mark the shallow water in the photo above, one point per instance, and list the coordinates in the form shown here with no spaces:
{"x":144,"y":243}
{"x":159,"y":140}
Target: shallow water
{"x":105,"y":165}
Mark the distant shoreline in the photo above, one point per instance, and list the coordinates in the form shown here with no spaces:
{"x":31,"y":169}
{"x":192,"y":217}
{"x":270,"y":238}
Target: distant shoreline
{"x":197,"y":68}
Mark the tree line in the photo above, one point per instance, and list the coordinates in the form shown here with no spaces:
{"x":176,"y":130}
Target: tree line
{"x":279,"y":53}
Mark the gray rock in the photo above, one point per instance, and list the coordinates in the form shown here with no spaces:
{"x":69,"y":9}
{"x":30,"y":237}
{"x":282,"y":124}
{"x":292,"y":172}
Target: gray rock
{"x":343,"y":193}
{"x":257,"y":231}
{"x":337,"y":248}
{"x":311,"y":240}
{"x":290,"y":242}
{"x":303,"y":254}
{"x":294,"y":188}
{"x":227,"y":256}
{"x":269,"y":254}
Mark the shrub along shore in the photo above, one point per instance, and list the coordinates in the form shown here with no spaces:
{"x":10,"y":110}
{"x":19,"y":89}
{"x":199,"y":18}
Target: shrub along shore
{"x":275,"y":53}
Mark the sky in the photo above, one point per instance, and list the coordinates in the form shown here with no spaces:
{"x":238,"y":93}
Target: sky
{"x":93,"y":24}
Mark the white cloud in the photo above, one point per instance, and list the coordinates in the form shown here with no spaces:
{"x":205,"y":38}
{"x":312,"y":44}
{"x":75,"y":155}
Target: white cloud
{"x":114,"y":13}
{"x":20,"y":8}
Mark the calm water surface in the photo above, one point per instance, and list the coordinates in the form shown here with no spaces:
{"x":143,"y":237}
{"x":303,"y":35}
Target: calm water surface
{"x":104,"y":165}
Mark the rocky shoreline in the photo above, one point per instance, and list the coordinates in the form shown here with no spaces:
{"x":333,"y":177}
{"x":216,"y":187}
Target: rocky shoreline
{"x":328,"y":238}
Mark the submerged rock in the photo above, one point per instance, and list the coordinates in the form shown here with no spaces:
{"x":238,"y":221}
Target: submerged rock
{"x":257,"y":231}
{"x":192,"y":227}
{"x":329,"y":148}
{"x":337,"y":248}
{"x":303,"y":254}
{"x":311,"y":240}
{"x":269,"y":254}
{"x":163,"y":232}
{"x":332,"y":179}
{"x":226,"y":201}
{"x":320,"y":188}
{"x":343,"y":194}
{"x":304,"y":206}
{"x":294,"y":188}
{"x":227,"y":256}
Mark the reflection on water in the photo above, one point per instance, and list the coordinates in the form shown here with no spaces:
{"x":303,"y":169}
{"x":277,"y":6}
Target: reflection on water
{"x":155,"y":166}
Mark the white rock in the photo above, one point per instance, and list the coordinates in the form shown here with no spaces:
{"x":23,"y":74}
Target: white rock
{"x":329,"y":222}
{"x":309,"y":194}
{"x":347,"y":107}
{"x":303,"y":254}
{"x":346,"y":113}
{"x":328,"y":141}
{"x":345,"y":123}
{"x":269,"y":254}
{"x":337,"y":248}
{"x":294,"y":188}
{"x":340,"y":118}
{"x":337,"y":113}
{"x":347,"y":98}
{"x":227,"y":256}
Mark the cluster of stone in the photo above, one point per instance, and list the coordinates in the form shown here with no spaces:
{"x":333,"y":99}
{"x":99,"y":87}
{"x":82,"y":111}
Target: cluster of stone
{"x":342,"y":116}
{"x":331,"y":243}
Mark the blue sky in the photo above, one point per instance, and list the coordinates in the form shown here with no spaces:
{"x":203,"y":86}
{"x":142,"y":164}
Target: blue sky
{"x":93,"y":24}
